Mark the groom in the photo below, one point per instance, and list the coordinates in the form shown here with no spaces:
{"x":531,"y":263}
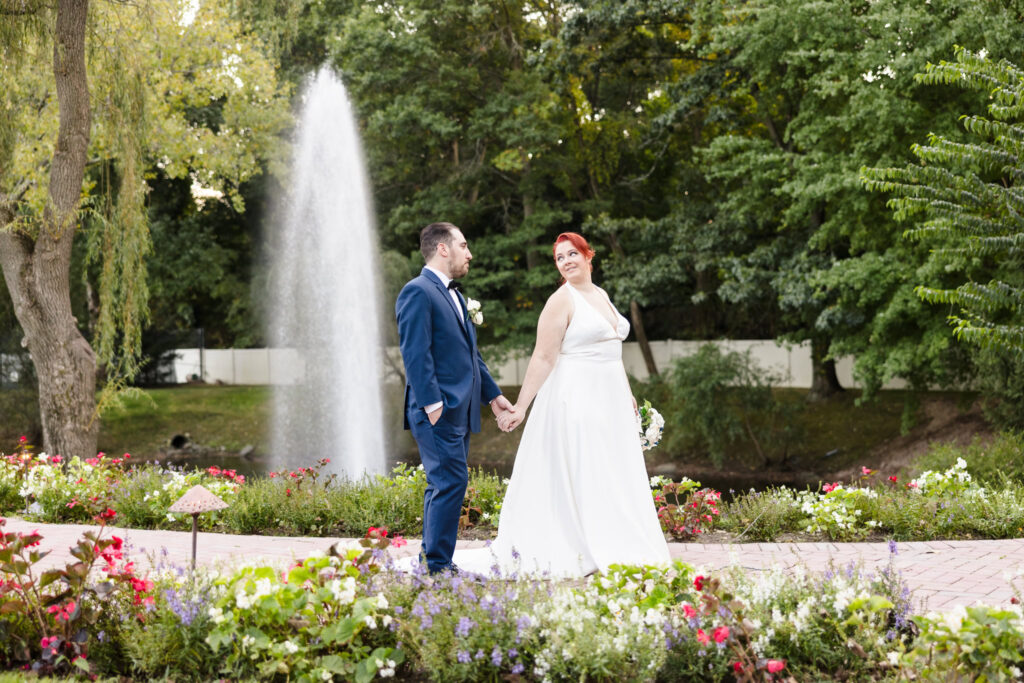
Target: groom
{"x":446,"y":381}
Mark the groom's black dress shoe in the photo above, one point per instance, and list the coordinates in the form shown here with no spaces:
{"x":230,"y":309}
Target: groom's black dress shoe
{"x":450,"y":568}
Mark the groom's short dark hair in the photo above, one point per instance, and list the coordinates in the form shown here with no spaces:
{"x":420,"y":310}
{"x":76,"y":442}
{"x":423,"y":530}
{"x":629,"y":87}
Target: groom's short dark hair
{"x":433,"y":235}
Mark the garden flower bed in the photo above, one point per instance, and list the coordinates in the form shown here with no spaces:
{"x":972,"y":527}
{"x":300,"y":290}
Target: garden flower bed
{"x":350,"y":615}
{"x":940,"y":503}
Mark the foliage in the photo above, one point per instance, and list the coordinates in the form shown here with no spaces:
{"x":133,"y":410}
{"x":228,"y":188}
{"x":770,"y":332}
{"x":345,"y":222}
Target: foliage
{"x":966,"y":198}
{"x":722,"y":398}
{"x":53,"y":617}
{"x":315,"y":621}
{"x":685,"y":510}
{"x":762,"y":515}
{"x":978,"y":643}
{"x":837,"y":511}
{"x":991,"y":463}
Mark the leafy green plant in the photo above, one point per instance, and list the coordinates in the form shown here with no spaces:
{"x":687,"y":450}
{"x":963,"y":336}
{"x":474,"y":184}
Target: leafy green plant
{"x":314,"y":621}
{"x":979,"y":643}
{"x":51,"y":617}
{"x":720,"y":400}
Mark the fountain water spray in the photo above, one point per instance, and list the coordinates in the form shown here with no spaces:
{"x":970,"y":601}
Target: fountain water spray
{"x":325,"y":294}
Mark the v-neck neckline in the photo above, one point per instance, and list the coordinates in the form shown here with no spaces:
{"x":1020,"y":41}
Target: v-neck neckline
{"x":615,"y":325}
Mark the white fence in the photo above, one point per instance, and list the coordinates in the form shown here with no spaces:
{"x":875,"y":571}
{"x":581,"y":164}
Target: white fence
{"x":792,"y":364}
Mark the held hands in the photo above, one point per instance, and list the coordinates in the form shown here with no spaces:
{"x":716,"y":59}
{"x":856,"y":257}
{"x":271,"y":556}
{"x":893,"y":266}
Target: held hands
{"x":511,"y":419}
{"x":505,"y":413}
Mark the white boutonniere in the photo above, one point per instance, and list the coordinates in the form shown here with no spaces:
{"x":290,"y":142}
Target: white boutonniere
{"x":475,"y":314}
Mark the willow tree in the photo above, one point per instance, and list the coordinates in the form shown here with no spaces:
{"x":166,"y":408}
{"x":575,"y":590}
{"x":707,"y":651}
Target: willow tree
{"x":92,"y":99}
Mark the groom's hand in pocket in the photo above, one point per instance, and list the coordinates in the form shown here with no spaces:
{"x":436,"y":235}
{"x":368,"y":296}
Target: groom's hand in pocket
{"x":435,"y":416}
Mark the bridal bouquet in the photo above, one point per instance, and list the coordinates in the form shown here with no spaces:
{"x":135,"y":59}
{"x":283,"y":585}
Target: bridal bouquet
{"x":652,"y":424}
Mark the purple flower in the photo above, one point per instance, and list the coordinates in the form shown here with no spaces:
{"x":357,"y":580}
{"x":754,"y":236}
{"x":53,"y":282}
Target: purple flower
{"x":464,"y":626}
{"x":496,"y":656}
{"x":517,"y":669}
{"x":463,"y":657}
{"x":479,"y":654}
{"x":513,"y":653}
{"x":892,"y":547}
{"x":426,"y":621}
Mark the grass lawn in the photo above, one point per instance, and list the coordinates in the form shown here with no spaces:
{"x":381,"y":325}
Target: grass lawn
{"x":228,"y":416}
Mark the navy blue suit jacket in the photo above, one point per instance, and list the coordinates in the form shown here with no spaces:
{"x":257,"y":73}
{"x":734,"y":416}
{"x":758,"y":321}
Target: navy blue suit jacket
{"x":442,"y":362}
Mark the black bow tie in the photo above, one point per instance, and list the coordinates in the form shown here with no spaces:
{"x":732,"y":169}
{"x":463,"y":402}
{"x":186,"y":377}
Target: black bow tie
{"x":452,"y":284}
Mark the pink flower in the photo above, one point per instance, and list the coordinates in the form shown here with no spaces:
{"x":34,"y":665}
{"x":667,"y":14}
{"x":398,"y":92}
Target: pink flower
{"x":23,"y":440}
{"x":398,"y":541}
{"x":775,"y":665}
{"x":55,"y":460}
{"x":703,"y":638}
{"x":912,"y":485}
{"x":828,"y":488}
{"x":46,"y":641}
{"x":689,"y":611}
{"x":721,"y":634}
{"x":866,"y":471}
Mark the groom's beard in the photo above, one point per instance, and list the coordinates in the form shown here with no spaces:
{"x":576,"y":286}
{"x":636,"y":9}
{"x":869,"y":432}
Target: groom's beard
{"x":458,"y":271}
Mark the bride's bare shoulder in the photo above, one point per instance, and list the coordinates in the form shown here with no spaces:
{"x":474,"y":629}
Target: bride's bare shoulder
{"x":559,"y":305}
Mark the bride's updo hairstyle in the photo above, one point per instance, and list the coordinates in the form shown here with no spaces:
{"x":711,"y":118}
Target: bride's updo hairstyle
{"x":578,"y":241}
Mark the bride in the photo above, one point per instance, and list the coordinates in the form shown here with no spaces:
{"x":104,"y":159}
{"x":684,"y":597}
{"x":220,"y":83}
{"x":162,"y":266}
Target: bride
{"x":579,"y":498}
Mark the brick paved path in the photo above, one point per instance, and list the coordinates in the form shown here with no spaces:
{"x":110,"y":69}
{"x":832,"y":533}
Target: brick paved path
{"x":941,"y":574}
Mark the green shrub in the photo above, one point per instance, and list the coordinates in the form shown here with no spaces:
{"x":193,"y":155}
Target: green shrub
{"x":762,"y":515}
{"x":720,"y":401}
{"x":987,"y":462}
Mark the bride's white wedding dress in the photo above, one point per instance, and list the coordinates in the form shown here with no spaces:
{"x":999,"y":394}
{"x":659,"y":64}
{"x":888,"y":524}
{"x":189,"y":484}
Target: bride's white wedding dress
{"x":579,"y":498}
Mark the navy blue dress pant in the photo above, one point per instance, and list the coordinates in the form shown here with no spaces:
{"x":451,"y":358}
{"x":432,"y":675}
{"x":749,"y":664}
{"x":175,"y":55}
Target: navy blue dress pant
{"x":443,"y":450}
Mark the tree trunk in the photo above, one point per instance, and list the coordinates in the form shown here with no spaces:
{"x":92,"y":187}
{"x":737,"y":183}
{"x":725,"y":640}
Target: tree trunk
{"x":824,"y":382}
{"x":37,"y":272}
{"x":636,"y":318}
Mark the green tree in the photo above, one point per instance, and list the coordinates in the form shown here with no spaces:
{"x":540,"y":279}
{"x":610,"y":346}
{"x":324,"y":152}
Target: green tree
{"x":132,"y":87}
{"x":809,"y":93}
{"x":967,"y":199}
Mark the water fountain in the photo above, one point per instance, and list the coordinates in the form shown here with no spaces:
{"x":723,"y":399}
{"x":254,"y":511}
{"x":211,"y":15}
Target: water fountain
{"x":325,"y":293}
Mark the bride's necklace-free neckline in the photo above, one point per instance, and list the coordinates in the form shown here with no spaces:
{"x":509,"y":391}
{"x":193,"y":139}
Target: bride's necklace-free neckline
{"x":613,"y":323}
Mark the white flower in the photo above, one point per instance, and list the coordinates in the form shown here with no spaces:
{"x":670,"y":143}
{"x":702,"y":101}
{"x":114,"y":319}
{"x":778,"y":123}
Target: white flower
{"x":370,"y":621}
{"x":216,"y":615}
{"x":475,"y":314}
{"x":326,"y":675}
{"x":290,"y":647}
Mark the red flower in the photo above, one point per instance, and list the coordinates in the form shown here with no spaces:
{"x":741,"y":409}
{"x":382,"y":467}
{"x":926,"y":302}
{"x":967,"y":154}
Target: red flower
{"x":213,"y":470}
{"x":398,"y":541}
{"x":737,"y":666}
{"x":827,"y":488}
{"x":288,"y":492}
{"x":377,"y":532}
{"x":273,"y":475}
{"x":109,"y":513}
{"x":55,"y":460}
{"x":721,"y":634}
{"x":698,"y":583}
{"x":127,"y":455}
{"x":775,"y":665}
{"x":689,"y":611}
{"x":893,"y":479}
{"x":703,"y":638}
{"x":23,"y":440}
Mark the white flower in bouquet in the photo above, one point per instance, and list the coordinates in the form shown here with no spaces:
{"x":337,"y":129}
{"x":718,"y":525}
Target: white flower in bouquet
{"x":652,"y":424}
{"x":475,"y":314}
